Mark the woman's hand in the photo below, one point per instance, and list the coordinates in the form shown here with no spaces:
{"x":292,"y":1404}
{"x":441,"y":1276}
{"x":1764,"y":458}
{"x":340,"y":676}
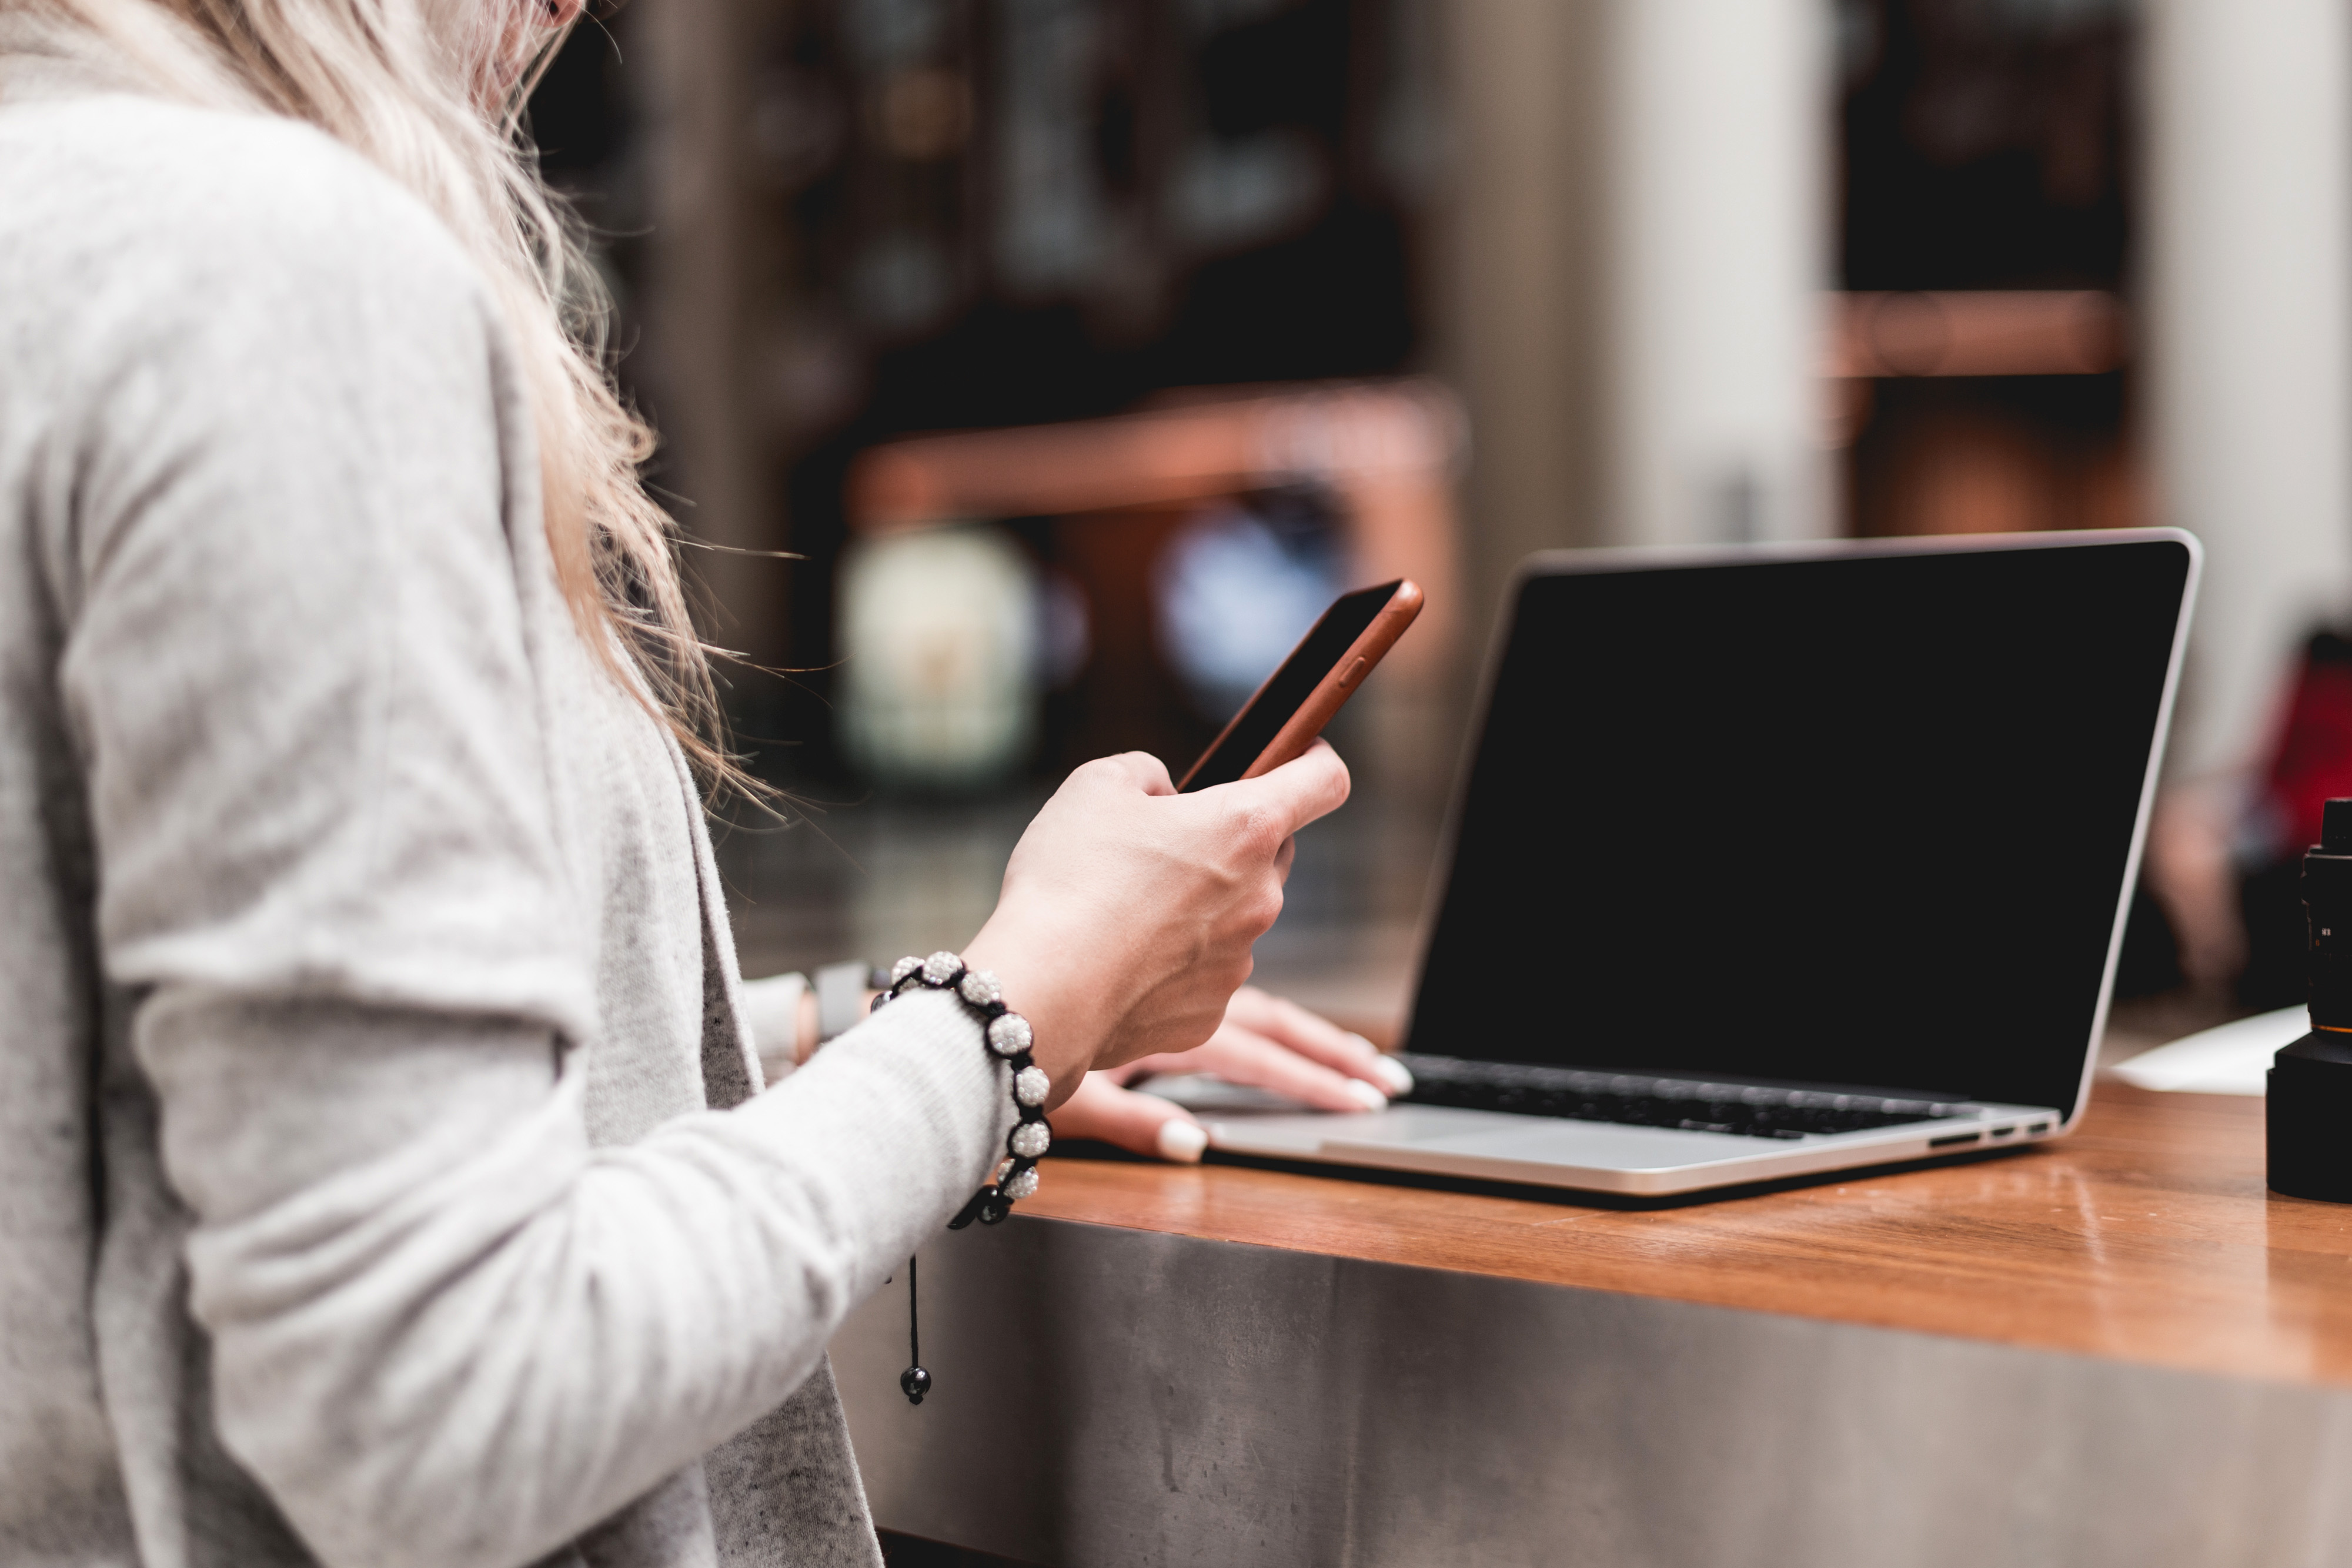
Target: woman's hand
{"x":1265,"y":1042}
{"x":1128,"y":910}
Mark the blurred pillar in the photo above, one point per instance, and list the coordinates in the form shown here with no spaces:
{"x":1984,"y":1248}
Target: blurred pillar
{"x":1716,"y":206}
{"x":1636,"y":251}
{"x":1518,"y":306}
{"x":693,"y":90}
{"x":2249,"y":259}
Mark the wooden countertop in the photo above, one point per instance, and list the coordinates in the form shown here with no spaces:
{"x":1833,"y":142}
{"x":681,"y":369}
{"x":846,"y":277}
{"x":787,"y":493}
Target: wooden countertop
{"x":2147,"y":1236}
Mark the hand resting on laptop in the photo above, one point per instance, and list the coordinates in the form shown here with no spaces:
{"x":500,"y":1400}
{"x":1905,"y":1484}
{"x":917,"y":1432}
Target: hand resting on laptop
{"x":1266,"y":1043}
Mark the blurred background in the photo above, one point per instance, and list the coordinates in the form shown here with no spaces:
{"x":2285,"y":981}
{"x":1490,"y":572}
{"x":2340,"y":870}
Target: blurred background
{"x":1080,"y":351}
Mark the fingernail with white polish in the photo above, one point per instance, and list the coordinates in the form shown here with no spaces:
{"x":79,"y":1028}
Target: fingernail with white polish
{"x":1368,"y":1045}
{"x":1182,"y":1141}
{"x":1367,"y":1095}
{"x":1393,"y":1073}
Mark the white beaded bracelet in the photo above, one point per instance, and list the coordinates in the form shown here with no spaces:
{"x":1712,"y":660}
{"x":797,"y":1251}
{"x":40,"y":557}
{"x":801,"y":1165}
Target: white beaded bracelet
{"x":1009,"y":1038}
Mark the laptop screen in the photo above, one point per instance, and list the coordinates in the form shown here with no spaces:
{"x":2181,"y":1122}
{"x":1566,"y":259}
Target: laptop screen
{"x":1853,"y":821}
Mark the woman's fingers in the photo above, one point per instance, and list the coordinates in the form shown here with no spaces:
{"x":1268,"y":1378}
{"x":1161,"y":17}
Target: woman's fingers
{"x":1269,"y":1043}
{"x":1141,"y":1123}
{"x":1243,"y":1056}
{"x":1148,"y":771}
{"x":1310,"y":1035}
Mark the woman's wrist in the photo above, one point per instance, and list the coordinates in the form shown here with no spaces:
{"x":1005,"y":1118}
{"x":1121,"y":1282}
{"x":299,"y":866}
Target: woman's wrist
{"x":1048,"y":984}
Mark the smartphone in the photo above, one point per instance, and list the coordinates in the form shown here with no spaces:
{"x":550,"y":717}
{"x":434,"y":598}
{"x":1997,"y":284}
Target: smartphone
{"x":1284,"y":715}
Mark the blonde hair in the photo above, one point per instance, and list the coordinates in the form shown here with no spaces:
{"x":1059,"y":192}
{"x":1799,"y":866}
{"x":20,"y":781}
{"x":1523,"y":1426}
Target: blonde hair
{"x":432,"y":92}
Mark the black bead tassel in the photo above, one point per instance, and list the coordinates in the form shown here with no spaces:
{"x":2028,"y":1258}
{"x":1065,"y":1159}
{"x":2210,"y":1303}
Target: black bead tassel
{"x":914,"y":1382}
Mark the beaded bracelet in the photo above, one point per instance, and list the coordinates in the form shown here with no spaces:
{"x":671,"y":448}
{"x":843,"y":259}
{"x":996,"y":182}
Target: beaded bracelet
{"x":1009,"y":1038}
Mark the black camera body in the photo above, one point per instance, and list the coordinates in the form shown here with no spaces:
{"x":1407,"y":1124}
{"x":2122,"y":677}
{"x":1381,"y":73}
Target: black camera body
{"x":2309,"y":1107}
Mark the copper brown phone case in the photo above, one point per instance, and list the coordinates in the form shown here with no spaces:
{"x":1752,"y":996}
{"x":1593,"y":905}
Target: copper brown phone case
{"x":1330,"y":692}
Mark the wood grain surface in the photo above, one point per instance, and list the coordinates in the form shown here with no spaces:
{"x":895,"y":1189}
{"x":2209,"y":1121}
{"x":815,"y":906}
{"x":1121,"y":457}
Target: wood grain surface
{"x":2147,"y":1236}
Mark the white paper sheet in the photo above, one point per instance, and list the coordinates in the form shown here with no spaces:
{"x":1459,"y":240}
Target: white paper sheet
{"x":2229,"y":1059}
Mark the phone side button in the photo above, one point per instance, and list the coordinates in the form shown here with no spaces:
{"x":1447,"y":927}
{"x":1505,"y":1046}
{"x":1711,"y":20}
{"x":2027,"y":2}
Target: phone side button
{"x":1354,"y":672}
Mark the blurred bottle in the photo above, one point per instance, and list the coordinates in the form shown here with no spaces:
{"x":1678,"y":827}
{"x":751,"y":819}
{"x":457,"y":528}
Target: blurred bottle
{"x":939,"y":646}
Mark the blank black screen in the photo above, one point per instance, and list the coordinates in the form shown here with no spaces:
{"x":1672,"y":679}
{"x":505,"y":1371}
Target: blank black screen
{"x":1861,"y":821}
{"x":1292,"y":684}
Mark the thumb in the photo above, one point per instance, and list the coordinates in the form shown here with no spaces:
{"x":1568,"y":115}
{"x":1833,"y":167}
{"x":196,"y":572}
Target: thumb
{"x":1307,"y":787}
{"x":1140,"y":1123}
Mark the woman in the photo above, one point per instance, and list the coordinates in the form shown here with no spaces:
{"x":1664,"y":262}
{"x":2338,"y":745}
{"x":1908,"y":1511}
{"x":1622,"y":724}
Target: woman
{"x":385,"y":1177}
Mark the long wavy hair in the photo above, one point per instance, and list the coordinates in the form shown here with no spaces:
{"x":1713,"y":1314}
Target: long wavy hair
{"x":432,"y":92}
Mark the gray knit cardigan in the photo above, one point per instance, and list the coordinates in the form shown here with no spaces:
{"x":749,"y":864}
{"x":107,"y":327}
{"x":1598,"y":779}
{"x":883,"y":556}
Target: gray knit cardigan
{"x":385,"y":1174}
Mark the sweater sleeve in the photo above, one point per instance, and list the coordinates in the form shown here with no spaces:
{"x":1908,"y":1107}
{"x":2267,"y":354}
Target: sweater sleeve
{"x":482,"y":1337}
{"x":444,"y":1329}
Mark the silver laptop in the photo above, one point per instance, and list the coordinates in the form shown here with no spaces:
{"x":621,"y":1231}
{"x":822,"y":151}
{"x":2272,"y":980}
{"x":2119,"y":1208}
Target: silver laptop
{"x":1775,"y":860}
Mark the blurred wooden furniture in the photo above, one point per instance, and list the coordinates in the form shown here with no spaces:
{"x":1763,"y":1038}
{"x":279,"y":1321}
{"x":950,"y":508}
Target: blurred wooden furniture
{"x":1976,"y":332}
{"x":1386,"y":451}
{"x":1948,"y":459}
{"x":2117,"y":1349}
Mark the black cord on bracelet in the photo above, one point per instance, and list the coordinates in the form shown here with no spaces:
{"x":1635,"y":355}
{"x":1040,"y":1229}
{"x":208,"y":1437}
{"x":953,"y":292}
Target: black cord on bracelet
{"x":914,"y":1382}
{"x":1008,"y":1037}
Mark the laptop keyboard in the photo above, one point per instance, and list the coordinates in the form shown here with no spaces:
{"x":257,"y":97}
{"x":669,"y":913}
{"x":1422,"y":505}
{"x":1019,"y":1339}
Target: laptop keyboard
{"x":1637,"y":1100}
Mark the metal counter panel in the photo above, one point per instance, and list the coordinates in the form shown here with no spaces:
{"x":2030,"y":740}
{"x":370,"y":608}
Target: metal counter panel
{"x":1112,"y":1398}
